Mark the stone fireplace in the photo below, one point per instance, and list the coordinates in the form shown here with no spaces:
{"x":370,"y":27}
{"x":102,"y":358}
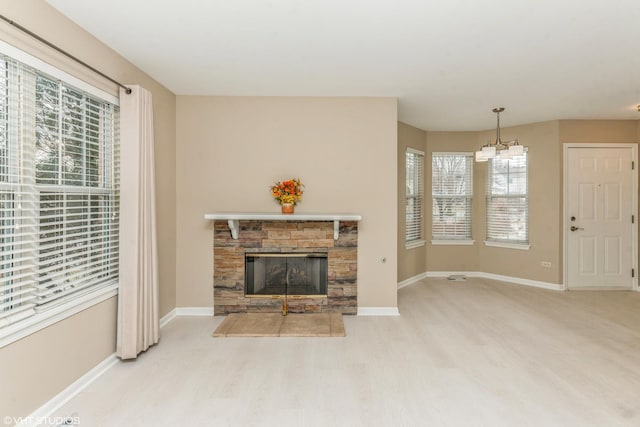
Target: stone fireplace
{"x":315,"y":260}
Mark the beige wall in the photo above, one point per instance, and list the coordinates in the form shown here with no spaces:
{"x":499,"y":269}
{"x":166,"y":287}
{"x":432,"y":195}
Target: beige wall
{"x":39,"y":360}
{"x":231,"y":149}
{"x":411,"y":262}
{"x":599,"y":131}
{"x":35,"y":369}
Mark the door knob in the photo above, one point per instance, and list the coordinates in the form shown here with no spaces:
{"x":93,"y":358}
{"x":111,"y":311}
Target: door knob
{"x":574,"y":228}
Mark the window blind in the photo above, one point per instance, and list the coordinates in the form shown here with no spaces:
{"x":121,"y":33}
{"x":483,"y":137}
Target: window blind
{"x":452,"y":193}
{"x":508,"y":200}
{"x":414,"y":195}
{"x":58,"y":191}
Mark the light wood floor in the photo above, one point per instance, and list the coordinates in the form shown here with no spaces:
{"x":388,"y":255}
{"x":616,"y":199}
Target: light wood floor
{"x":474,"y":353}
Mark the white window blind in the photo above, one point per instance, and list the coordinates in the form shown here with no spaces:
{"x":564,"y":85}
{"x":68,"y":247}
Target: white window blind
{"x":452,"y":193}
{"x":508,"y":201}
{"x":58,"y":191}
{"x":414,"y":195}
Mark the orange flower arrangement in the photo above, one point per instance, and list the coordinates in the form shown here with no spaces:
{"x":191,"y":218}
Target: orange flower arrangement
{"x":288,"y":192}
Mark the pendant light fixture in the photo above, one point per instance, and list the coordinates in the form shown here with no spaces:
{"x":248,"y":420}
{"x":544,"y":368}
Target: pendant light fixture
{"x":499,"y":148}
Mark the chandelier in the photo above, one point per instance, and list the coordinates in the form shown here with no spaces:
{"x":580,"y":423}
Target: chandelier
{"x":499,"y":148}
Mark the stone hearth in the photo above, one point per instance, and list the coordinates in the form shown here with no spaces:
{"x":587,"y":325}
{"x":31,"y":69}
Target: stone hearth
{"x":255,"y":236}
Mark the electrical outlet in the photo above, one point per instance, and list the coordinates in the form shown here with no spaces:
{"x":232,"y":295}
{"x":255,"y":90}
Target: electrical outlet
{"x":545,"y":264}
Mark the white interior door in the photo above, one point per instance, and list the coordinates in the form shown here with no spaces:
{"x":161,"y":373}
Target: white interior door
{"x":600,"y":243}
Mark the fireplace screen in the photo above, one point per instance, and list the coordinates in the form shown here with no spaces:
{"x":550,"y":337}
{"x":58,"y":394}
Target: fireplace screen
{"x":285,"y":274}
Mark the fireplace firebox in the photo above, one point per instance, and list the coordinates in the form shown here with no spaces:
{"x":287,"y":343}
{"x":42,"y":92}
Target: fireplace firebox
{"x":291,"y":274}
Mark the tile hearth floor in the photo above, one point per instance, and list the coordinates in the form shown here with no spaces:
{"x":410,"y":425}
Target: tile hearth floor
{"x":277,"y":325}
{"x":474,"y":353}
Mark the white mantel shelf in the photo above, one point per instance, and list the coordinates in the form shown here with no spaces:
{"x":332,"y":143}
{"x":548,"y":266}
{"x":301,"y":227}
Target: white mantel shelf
{"x":233,"y":218}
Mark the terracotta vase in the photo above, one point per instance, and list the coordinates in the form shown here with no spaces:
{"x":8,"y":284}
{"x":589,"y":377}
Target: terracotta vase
{"x":287,"y":208}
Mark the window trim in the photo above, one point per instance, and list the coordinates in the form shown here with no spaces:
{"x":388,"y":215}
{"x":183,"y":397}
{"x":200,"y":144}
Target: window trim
{"x":68,"y":306}
{"x":65,"y":309}
{"x":499,"y":244}
{"x":453,"y":242}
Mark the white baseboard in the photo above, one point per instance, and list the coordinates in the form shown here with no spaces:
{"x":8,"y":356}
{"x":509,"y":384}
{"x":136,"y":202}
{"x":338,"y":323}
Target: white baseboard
{"x":56,"y":402}
{"x":378,"y":311}
{"x":167,"y":318}
{"x":185,"y":311}
{"x":454,"y":273}
{"x":526,"y":282}
{"x":81,"y":383}
{"x":412,"y":280}
{"x":510,"y":279}
{"x":194,"y":311}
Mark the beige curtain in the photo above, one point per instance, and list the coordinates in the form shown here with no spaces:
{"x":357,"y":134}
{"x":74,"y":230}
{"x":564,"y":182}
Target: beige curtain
{"x":138,"y":323}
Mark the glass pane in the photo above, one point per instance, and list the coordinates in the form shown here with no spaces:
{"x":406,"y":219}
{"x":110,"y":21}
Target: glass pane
{"x":71,"y":132}
{"x":51,"y":257}
{"x":73,"y":127}
{"x":6,"y":243}
{"x":500,"y":166}
{"x":500,"y":184}
{"x":451,"y":175}
{"x":413,"y":218}
{"x":518,"y":183}
{"x":414,"y":196}
{"x":47,"y":131}
{"x":4,"y":122}
{"x":506,"y":212}
{"x":508,"y":220}
{"x":451,"y":217}
{"x":412,"y":170}
{"x":100,"y":233}
{"x":93,"y":149}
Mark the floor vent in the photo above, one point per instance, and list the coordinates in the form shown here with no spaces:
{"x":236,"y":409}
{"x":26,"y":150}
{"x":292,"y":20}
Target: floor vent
{"x":457,"y":277}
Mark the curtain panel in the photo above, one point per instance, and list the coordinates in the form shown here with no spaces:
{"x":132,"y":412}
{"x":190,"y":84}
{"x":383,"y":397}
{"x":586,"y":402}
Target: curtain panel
{"x":138,"y":322}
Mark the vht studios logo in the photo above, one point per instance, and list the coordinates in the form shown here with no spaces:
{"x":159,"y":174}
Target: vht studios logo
{"x":42,"y":421}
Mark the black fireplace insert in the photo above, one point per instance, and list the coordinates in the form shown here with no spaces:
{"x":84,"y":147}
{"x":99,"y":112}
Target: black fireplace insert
{"x":269,"y":274}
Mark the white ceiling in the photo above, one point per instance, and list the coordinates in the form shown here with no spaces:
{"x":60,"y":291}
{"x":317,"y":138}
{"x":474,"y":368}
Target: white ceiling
{"x":449,"y":62}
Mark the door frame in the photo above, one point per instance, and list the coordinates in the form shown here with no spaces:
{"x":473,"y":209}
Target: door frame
{"x":634,"y":205}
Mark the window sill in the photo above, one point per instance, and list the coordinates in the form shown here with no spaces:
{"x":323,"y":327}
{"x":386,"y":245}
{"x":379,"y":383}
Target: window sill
{"x":44,"y":319}
{"x":453,"y":242}
{"x":519,"y":246}
{"x":414,"y":244}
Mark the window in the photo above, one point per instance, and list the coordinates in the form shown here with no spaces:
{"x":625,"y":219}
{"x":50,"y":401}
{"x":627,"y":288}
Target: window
{"x":58,"y":192}
{"x":507,"y":201}
{"x":452,"y":192}
{"x":414,"y":195}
